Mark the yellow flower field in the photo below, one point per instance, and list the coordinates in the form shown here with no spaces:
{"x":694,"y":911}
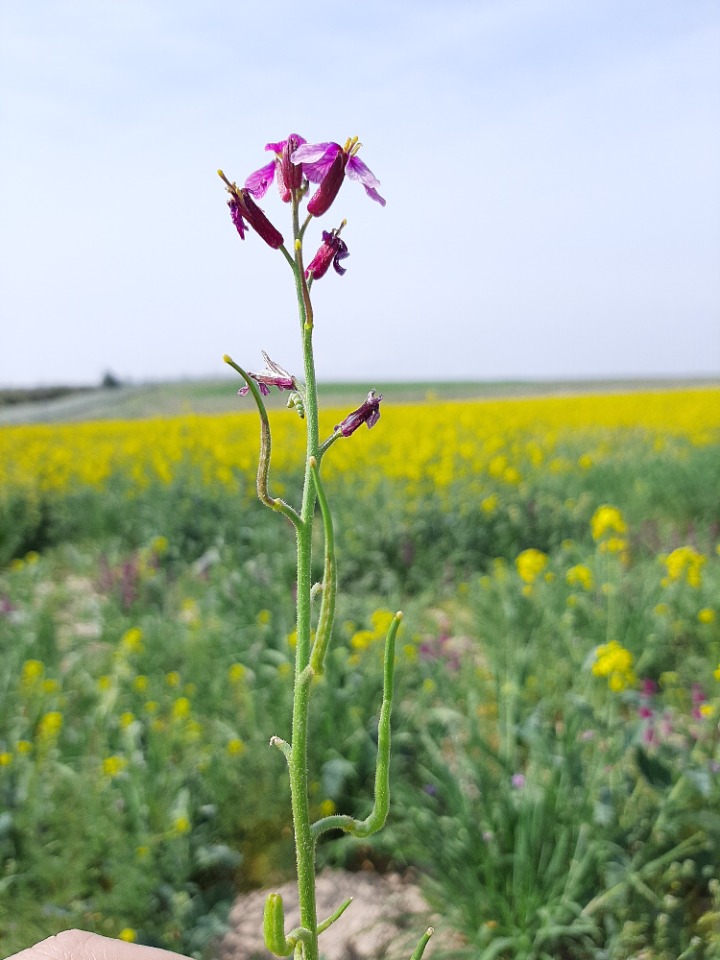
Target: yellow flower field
{"x":415,"y":444}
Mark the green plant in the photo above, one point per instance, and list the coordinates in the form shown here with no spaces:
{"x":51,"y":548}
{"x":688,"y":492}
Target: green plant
{"x":295,"y":164}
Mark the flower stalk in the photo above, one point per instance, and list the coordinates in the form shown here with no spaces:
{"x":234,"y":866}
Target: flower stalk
{"x":294,"y":166}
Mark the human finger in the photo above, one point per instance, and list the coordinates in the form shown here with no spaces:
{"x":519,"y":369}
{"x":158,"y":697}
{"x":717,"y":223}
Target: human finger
{"x":81,"y":945}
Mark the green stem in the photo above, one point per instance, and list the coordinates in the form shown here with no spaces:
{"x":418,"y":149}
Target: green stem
{"x":326,"y":616}
{"x":297,"y":762}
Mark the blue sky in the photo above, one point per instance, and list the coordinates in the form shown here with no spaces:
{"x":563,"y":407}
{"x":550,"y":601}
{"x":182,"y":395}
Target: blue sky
{"x":550,"y":168}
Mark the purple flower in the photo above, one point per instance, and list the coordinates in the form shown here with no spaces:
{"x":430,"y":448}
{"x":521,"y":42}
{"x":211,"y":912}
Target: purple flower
{"x":332,"y":250}
{"x":698,"y":698}
{"x":368,"y":412}
{"x":272,"y":376}
{"x":243,"y":207}
{"x":289,"y":174}
{"x":327,"y":164}
{"x":518,"y":781}
{"x":6,"y":606}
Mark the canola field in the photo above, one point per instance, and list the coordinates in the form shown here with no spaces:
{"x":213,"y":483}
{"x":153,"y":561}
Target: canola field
{"x":556,"y":776}
{"x":434,"y":442}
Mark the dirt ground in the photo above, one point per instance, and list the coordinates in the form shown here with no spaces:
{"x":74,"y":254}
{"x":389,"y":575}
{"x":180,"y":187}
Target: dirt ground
{"x":385,"y":920}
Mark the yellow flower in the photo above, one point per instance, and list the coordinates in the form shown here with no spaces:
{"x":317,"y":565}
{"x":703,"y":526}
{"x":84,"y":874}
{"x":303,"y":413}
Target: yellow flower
{"x":684,"y":564}
{"x":112,"y":766}
{"x":361,"y":640}
{"x":615,"y":663}
{"x":131,"y":640}
{"x":381,"y":620}
{"x":490,"y":503}
{"x":327,"y":808}
{"x":580,"y":576}
{"x":23,"y":746}
{"x":235,"y":747}
{"x":126,"y":719}
{"x":32,"y":672}
{"x":707,"y":709}
{"x":263,"y":618}
{"x":429,"y":685}
{"x":530,"y":564}
{"x":706,"y":615}
{"x":50,"y":725}
{"x":181,"y":708}
{"x":172,"y":679}
{"x":159,"y":545}
{"x":716,"y":673}
{"x":104,"y":682}
{"x":237,"y":673}
{"x":128,"y":935}
{"x":607,"y":519}
{"x":181,"y":825}
{"x":140,"y":683}
{"x":5,"y":759}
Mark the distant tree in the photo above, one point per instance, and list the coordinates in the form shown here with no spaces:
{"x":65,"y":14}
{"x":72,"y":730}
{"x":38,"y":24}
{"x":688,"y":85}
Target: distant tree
{"x":110,"y":381}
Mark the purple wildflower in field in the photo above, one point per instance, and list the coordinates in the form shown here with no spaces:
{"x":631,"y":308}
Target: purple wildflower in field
{"x":698,"y":698}
{"x":6,"y":606}
{"x":368,"y":412}
{"x":648,"y":688}
{"x":327,"y":164}
{"x":332,"y":251}
{"x":272,"y":376}
{"x":289,"y":175}
{"x":518,"y":781}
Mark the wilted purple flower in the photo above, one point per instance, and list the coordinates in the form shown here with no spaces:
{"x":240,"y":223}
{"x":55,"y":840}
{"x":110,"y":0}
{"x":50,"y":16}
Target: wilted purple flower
{"x":272,"y":376}
{"x":327,"y":164}
{"x":332,"y":250}
{"x":289,"y":175}
{"x":243,"y":207}
{"x":368,"y":412}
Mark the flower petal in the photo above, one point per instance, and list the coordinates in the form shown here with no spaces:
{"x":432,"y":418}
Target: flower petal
{"x":316,"y":158}
{"x":357,"y":170}
{"x":259,"y":181}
